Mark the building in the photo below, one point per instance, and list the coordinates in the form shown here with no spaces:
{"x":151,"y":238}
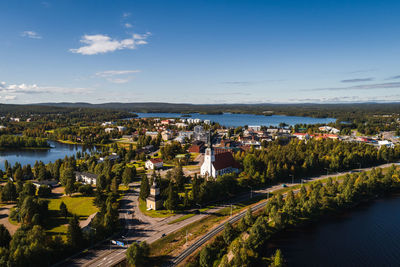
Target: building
{"x":254,"y":128}
{"x":216,"y":164}
{"x":197,"y":147}
{"x":121,"y":128}
{"x":154,"y":164}
{"x":153,"y":135}
{"x":166,"y":135}
{"x":108,"y":130}
{"x":153,"y":201}
{"x":49,"y":183}
{"x":86,"y":177}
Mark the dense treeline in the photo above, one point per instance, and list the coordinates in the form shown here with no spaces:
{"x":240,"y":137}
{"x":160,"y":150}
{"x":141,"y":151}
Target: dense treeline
{"x":278,"y":162}
{"x":13,"y":141}
{"x":246,"y":243}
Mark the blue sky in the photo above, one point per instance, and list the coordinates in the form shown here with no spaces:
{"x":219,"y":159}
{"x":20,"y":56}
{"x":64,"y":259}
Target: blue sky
{"x":233,"y":51}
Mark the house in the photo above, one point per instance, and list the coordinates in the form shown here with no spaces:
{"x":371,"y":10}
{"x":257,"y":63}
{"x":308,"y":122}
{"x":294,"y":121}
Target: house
{"x":154,"y":164}
{"x":107,"y":123}
{"x":50,"y":183}
{"x":108,"y":130}
{"x":197,"y":147}
{"x":121,"y":128}
{"x":181,"y":125}
{"x":111,"y":157}
{"x":15,"y":119}
{"x":166,"y":135}
{"x":153,"y":135}
{"x":329,"y":129}
{"x":86,"y":177}
{"x":302,"y":136}
{"x":385,"y":143}
{"x":254,"y":128}
{"x":216,"y":164}
{"x":154,"y":201}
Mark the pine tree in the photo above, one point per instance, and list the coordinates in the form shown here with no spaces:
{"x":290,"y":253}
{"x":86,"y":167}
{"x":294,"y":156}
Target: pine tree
{"x":74,"y":233}
{"x":172,"y":201}
{"x":144,"y":188}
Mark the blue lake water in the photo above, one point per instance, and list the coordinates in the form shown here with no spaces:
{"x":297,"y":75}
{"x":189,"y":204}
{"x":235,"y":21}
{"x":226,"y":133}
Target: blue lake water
{"x":29,"y":156}
{"x":234,"y":120}
{"x":366,"y":236}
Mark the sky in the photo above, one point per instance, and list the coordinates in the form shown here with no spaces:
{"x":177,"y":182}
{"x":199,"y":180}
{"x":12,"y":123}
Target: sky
{"x":201,"y":52}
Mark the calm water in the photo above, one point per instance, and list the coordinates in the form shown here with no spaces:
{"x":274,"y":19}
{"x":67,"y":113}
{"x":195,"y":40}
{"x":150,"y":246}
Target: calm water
{"x":367,"y":236}
{"x":228,"y":119}
{"x":58,"y":151}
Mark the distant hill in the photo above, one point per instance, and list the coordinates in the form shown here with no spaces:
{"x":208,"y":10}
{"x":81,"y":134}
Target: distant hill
{"x":343,"y":111}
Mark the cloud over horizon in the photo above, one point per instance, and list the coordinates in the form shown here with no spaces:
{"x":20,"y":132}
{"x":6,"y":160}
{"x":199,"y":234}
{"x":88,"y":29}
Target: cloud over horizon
{"x":36,"y":89}
{"x":359,"y":87}
{"x":356,"y":80}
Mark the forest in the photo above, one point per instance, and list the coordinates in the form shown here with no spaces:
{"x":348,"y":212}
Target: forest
{"x":13,"y":141}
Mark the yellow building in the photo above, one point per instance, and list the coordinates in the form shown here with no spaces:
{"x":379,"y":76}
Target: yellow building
{"x":153,"y":201}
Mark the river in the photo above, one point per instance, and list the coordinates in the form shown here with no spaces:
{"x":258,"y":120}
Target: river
{"x":235,"y":120}
{"x":369,"y":235}
{"x":29,"y":156}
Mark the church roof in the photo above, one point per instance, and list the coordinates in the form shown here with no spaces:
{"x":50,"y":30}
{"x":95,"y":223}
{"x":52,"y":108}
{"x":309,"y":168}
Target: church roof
{"x":224,"y":160}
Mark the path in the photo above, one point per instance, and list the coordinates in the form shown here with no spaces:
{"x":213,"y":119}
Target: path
{"x":4,"y":214}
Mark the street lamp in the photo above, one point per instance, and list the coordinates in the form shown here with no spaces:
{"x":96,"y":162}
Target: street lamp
{"x":292,"y":175}
{"x":251,"y":191}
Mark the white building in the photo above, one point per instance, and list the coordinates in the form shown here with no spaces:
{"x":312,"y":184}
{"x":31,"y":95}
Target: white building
{"x":218,"y":164}
{"x":121,"y":128}
{"x":108,"y":130}
{"x":154,"y":164}
{"x":254,"y":128}
{"x":86,"y":177}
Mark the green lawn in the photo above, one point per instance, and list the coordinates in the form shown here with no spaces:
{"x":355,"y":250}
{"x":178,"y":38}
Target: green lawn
{"x":80,"y":205}
{"x":153,"y":213}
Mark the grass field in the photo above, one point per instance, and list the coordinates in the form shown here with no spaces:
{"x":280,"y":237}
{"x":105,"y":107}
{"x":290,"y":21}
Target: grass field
{"x":79,"y":205}
{"x":153,"y":213}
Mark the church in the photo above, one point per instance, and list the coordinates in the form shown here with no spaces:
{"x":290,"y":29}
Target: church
{"x":217,"y":163}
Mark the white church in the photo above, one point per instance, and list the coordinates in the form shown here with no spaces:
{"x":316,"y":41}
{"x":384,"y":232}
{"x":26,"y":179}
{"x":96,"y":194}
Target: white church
{"x":219,"y":163}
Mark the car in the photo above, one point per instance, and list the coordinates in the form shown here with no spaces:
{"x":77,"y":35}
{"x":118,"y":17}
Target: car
{"x":163,"y":235}
{"x":196,"y":212}
{"x":129,"y":212}
{"x":284,"y":185}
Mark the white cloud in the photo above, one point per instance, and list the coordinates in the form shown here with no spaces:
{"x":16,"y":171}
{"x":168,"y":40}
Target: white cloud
{"x":100,"y":44}
{"x":118,"y":80}
{"x":128,"y":25}
{"x":109,"y":73}
{"x":36,"y":89}
{"x":8,"y":97}
{"x":31,"y":34}
{"x":127,"y":75}
{"x":126,"y":14}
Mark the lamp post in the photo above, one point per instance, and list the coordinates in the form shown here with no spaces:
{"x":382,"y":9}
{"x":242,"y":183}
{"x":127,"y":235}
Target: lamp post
{"x":251,"y":191}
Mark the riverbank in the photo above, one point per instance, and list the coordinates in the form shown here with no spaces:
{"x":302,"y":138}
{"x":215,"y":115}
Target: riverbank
{"x":252,"y":234}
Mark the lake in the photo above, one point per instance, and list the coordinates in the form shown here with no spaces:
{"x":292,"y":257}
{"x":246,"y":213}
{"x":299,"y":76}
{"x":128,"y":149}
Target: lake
{"x":234,"y":120}
{"x":366,"y":236}
{"x":29,"y":156}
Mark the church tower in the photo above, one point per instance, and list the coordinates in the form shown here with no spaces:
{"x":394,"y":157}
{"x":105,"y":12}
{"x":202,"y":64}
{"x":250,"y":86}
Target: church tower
{"x":153,"y":201}
{"x":209,"y":158}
